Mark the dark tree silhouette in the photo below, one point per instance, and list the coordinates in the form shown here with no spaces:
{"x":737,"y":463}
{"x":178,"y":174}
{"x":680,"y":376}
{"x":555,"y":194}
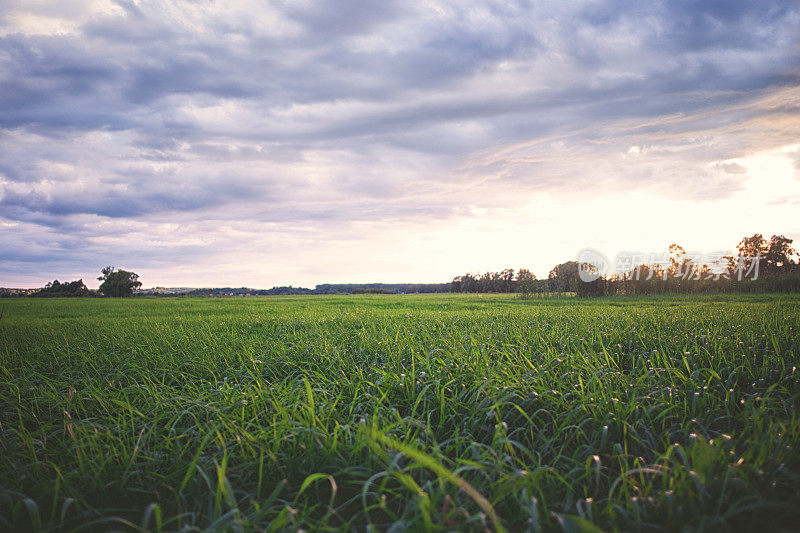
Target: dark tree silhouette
{"x":118,"y":283}
{"x":56,"y":288}
{"x":682,"y":273}
{"x":779,"y":255}
{"x":750,"y":248}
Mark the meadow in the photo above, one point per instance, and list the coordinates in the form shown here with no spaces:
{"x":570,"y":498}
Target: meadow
{"x":400,"y":412}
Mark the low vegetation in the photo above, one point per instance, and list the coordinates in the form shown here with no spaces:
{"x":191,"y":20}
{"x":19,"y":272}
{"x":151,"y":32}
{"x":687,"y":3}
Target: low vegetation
{"x":434,"y":412}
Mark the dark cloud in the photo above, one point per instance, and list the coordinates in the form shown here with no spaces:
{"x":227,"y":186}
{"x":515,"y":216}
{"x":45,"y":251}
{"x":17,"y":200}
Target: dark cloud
{"x":114,"y":72}
{"x":337,"y":18}
{"x":131,"y":194}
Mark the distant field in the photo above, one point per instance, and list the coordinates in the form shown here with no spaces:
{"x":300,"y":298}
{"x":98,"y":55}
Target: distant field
{"x":430,"y":412}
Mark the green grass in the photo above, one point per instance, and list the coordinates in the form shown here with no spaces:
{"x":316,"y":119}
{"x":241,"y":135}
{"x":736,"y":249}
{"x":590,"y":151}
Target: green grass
{"x":435,"y":412}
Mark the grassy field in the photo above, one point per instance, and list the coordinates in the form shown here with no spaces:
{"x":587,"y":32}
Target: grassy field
{"x":434,"y":412}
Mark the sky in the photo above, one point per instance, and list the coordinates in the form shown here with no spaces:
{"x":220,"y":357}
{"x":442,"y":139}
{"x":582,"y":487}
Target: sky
{"x":232,"y":143}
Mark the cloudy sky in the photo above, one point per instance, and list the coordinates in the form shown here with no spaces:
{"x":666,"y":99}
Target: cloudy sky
{"x":209,"y":143}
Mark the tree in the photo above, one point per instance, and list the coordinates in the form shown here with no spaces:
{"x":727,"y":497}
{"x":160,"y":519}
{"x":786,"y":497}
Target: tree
{"x":56,"y":288}
{"x":526,"y":282}
{"x":564,"y":277}
{"x":507,"y":280}
{"x":117,"y":283}
{"x":751,"y":249}
{"x":677,"y":256}
{"x":778,"y":256}
{"x":752,"y":246}
{"x":457,"y":284}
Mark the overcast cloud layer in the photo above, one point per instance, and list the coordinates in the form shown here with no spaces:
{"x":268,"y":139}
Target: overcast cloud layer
{"x":204,"y":143}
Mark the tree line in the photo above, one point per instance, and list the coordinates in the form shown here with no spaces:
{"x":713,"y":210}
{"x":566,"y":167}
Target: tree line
{"x":523,"y":281}
{"x":324,"y":288}
{"x":116,"y":283}
{"x":762,"y":265}
{"x":772,"y":262}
